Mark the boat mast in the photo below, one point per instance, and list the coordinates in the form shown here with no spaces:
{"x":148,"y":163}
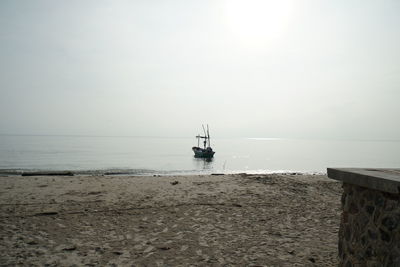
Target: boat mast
{"x":205,"y":137}
{"x":208,"y":133}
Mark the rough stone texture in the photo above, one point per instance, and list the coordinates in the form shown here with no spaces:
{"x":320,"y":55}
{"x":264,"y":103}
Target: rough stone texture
{"x":369,"y":232}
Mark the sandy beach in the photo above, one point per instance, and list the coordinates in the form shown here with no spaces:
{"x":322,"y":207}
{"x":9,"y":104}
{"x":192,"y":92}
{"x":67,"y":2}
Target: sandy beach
{"x":212,"y":220}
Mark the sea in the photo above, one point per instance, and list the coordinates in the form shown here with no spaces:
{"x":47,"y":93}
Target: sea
{"x":127,"y":155}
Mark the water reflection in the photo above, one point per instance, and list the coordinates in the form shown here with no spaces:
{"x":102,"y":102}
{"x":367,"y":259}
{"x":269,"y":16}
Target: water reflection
{"x":203,"y":163}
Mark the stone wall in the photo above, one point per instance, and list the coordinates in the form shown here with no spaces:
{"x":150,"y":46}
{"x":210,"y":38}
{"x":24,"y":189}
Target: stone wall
{"x":369,"y":232}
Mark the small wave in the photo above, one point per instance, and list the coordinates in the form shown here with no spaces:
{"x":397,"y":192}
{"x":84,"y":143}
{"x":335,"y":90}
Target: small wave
{"x":279,"y":172}
{"x":149,"y":172}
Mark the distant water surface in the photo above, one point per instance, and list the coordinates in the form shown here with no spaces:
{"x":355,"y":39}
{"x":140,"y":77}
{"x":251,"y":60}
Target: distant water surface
{"x":150,"y":155}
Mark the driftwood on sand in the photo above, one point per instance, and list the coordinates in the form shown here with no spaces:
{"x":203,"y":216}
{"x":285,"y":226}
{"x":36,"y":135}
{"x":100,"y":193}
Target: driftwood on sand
{"x":48,"y":173}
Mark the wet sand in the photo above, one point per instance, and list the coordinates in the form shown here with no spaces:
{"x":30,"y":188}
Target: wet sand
{"x":226,"y":220}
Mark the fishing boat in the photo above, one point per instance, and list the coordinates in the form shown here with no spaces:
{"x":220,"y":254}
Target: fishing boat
{"x":207,"y":151}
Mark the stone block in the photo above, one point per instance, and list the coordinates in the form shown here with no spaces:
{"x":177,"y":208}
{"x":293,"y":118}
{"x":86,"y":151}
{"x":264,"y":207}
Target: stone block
{"x":369,"y":234}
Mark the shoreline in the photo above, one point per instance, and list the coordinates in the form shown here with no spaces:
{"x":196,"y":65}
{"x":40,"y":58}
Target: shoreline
{"x":146,"y":172}
{"x":210,"y":220}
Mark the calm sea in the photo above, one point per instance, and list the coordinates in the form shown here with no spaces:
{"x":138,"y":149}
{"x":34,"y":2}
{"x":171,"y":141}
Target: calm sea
{"x":150,"y":155}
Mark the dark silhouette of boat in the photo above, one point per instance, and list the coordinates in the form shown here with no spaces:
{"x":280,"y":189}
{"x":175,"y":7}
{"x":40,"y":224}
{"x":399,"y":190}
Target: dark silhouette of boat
{"x":207,"y":151}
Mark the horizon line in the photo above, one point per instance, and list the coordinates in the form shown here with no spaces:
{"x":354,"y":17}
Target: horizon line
{"x":244,"y":137}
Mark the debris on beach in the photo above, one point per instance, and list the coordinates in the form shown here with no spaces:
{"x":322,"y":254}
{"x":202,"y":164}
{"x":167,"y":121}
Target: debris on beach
{"x":46,"y":213}
{"x":48,"y":173}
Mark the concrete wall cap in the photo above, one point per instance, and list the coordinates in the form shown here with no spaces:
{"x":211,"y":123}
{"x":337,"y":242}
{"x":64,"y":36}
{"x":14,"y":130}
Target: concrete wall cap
{"x":386,"y":180}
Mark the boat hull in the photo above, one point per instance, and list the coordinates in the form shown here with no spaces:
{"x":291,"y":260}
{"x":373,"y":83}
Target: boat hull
{"x":203,"y":153}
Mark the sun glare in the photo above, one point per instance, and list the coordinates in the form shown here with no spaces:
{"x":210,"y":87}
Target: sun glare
{"x":257,"y":22}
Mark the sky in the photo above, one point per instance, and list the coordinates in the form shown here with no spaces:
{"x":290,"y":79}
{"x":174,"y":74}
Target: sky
{"x":251,"y":68}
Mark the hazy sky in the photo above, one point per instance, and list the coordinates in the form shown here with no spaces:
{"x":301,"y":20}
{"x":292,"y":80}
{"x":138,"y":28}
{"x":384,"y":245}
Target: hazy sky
{"x":249,"y":68}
